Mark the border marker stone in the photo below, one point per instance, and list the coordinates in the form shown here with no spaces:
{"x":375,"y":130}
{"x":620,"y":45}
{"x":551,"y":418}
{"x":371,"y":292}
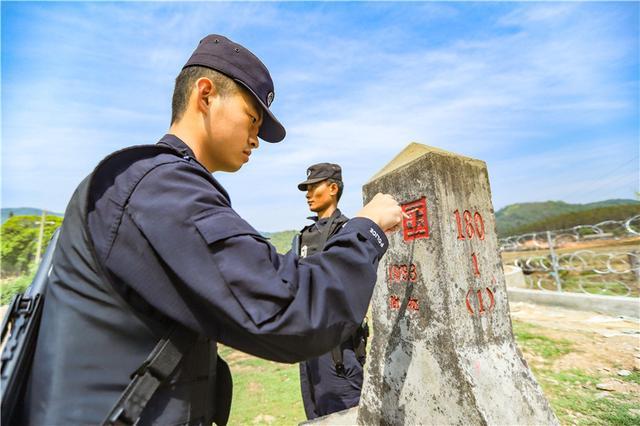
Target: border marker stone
{"x":443,"y":350}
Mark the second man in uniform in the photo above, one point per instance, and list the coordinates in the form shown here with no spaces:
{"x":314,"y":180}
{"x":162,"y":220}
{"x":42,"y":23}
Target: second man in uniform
{"x":333,"y":381}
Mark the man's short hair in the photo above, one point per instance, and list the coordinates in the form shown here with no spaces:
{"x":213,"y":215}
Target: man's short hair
{"x":185,"y":82}
{"x":340,"y":187}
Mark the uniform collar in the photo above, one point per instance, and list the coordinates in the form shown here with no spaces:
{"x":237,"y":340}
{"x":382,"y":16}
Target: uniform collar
{"x":176,"y":143}
{"x":336,"y":214}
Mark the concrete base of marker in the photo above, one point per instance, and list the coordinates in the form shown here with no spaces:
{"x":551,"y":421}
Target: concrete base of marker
{"x":346,"y":417}
{"x":611,"y":305}
{"x":514,"y":276}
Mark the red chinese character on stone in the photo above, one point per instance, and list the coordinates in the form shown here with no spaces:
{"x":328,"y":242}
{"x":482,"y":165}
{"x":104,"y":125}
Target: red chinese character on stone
{"x":394,"y":302}
{"x":416,"y":225}
{"x":413,"y":305}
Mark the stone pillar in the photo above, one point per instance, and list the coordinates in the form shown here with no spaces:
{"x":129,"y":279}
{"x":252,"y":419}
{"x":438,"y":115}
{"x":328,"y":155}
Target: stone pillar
{"x":514,"y":276}
{"x":443,"y":350}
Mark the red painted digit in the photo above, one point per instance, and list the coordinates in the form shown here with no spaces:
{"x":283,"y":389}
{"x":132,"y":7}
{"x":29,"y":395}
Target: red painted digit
{"x":413,"y":274}
{"x":404,"y":272}
{"x":480,"y":304}
{"x":481,"y":301}
{"x":473,"y":225}
{"x":468,"y":224}
{"x":477,"y":218}
{"x":476,"y":270}
{"x":459,"y":223}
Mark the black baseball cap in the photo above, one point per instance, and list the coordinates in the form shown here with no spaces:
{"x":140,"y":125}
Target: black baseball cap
{"x":238,"y":63}
{"x":320,"y":172}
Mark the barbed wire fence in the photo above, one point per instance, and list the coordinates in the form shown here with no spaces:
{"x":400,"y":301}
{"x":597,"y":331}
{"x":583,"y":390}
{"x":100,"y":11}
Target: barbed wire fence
{"x":557,"y":238}
{"x":588,"y":271}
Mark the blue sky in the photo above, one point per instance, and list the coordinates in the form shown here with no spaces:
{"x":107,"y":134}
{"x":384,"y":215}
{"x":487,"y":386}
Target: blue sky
{"x":546,"y":93}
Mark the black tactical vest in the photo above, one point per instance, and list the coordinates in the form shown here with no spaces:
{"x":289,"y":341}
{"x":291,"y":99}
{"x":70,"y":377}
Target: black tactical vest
{"x":313,"y":239}
{"x":91,"y":340}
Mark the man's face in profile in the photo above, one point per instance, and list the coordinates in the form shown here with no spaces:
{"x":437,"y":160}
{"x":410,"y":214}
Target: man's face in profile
{"x":321,"y":195}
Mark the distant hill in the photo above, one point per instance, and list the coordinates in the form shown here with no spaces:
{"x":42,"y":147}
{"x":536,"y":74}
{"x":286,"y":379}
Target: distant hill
{"x":24,"y":211}
{"x":585,"y":217}
{"x":519,"y":218}
{"x":281,"y":240}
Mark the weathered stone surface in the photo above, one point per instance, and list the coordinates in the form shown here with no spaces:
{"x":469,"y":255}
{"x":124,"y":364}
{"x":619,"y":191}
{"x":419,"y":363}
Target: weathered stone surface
{"x":443,"y":350}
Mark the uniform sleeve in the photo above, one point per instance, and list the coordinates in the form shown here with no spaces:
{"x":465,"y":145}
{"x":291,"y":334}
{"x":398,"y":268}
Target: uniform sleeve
{"x":234,"y":285}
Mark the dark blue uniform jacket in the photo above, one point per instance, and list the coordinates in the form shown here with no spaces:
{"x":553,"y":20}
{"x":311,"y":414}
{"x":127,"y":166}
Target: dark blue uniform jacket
{"x":179,"y":249}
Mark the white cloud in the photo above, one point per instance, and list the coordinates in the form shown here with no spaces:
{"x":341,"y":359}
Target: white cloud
{"x":557,"y":80}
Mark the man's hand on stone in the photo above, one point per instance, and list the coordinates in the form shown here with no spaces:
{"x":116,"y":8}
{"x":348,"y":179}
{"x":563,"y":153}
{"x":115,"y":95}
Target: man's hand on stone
{"x":384,"y":210}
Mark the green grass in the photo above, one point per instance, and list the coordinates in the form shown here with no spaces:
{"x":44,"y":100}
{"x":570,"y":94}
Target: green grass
{"x":572,"y":393}
{"x":264,"y":392}
{"x":575,"y":400}
{"x":9,"y":288}
{"x":549,"y":349}
{"x":634,"y":377}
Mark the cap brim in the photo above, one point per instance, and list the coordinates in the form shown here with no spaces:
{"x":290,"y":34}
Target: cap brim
{"x":302,"y":186}
{"x":271,"y":129}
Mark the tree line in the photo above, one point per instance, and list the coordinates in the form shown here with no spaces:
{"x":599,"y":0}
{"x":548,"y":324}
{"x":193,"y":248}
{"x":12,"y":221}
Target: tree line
{"x":569,"y":220}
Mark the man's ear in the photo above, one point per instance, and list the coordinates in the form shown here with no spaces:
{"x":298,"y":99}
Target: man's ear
{"x":333,"y":189}
{"x":205,"y":91}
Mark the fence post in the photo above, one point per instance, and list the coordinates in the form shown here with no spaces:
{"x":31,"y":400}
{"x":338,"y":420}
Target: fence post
{"x":634,"y":264}
{"x":554,"y":262}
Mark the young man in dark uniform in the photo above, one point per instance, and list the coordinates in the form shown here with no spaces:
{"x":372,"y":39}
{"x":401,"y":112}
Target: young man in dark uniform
{"x":333,"y":381}
{"x":152,"y":257}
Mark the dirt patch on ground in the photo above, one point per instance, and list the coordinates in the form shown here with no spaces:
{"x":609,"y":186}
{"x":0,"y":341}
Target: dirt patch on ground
{"x":600,"y":343}
{"x":255,"y":387}
{"x":233,"y":356}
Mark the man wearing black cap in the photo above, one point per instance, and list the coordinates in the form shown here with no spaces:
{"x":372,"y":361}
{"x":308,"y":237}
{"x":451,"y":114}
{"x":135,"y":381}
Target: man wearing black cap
{"x":333,"y":381}
{"x":153,"y":267}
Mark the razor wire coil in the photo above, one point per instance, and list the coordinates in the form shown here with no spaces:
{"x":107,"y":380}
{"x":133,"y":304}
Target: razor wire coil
{"x":539,"y":240}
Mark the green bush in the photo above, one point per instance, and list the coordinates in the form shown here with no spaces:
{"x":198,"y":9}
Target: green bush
{"x":19,"y":236}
